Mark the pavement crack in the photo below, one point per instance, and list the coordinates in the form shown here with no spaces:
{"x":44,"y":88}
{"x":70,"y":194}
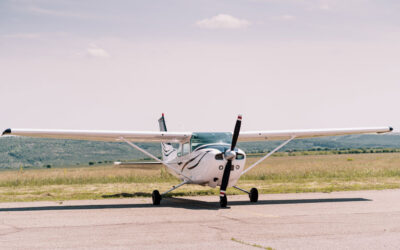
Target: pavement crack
{"x":219,"y":231}
{"x":11,"y":229}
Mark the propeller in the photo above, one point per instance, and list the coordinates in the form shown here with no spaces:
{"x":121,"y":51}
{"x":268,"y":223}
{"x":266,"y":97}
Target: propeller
{"x":230,"y":155}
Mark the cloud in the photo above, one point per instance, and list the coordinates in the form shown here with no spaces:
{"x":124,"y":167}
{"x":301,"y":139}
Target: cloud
{"x":222,"y":21}
{"x":97,"y":52}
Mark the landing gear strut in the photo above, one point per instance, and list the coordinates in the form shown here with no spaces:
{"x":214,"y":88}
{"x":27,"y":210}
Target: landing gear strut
{"x":157,"y":197}
{"x":253,"y":194}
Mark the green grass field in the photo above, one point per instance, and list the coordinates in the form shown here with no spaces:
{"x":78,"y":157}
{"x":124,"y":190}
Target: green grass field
{"x":298,"y":173}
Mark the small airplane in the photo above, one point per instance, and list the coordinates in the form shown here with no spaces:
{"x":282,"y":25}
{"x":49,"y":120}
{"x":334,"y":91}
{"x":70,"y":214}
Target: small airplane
{"x":204,"y":158}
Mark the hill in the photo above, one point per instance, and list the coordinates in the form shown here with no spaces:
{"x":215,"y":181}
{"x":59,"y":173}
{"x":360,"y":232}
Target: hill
{"x":35,"y":152}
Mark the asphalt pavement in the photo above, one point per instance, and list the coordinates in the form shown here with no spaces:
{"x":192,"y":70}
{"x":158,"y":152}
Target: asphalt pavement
{"x":339,"y":220}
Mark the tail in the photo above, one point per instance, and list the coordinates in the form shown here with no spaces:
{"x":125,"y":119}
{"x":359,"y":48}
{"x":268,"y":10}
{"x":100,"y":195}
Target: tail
{"x":167,"y":150}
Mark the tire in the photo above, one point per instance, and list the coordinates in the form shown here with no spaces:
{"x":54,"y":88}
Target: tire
{"x":223,"y":201}
{"x":253,"y":195}
{"x":156,"y":197}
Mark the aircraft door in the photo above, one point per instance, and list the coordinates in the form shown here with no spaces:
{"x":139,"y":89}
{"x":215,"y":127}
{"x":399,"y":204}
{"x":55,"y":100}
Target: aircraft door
{"x":185,"y":149}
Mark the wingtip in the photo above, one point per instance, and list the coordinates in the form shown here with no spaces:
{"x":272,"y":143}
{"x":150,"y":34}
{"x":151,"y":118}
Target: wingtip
{"x":7,"y":131}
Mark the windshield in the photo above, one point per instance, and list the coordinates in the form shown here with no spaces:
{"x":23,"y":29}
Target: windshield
{"x":199,"y":139}
{"x":220,"y":147}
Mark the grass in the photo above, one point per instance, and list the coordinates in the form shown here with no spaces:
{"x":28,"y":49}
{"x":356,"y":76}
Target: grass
{"x":250,"y":244}
{"x":286,"y":174}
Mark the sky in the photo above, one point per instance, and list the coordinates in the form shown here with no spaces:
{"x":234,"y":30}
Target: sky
{"x":117,"y":65}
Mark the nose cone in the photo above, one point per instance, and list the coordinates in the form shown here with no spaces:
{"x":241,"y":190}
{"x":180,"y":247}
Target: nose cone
{"x":230,"y":155}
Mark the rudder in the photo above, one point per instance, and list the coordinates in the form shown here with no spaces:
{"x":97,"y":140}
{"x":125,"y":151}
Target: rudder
{"x":167,"y":150}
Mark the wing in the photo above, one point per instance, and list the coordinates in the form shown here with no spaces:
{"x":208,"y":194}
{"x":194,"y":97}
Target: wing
{"x":309,"y":133}
{"x":102,"y":135}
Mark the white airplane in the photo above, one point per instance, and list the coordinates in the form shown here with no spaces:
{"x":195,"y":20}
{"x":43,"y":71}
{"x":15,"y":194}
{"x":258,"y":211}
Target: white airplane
{"x":204,"y":158}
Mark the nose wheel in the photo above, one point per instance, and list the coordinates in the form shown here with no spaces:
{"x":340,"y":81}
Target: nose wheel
{"x":223,"y":201}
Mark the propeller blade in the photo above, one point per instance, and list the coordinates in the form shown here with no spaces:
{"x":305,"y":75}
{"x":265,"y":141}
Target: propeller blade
{"x":236,"y":132}
{"x":227,"y":170}
{"x":225,"y":178}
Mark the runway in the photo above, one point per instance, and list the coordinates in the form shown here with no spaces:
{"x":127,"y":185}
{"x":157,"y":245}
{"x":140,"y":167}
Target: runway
{"x":339,"y":220}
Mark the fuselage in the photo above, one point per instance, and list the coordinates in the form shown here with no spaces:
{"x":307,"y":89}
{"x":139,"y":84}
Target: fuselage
{"x":203,"y":159}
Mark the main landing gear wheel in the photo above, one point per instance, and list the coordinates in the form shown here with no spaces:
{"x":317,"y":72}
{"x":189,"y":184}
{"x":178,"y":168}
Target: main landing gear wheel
{"x":223,"y":201}
{"x":253,"y":195}
{"x":156,"y":197}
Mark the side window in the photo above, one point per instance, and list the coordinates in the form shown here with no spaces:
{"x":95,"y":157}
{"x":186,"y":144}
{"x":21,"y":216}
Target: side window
{"x":185,"y":149}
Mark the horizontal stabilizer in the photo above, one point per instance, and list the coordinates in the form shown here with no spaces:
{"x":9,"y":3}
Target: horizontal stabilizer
{"x":119,"y":163}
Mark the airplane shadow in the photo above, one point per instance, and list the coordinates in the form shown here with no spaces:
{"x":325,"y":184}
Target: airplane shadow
{"x":127,"y":195}
{"x":181,"y":203}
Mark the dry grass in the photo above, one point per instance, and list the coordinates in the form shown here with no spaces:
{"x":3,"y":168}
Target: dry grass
{"x":327,"y":166}
{"x":84,"y":175}
{"x":311,"y":173}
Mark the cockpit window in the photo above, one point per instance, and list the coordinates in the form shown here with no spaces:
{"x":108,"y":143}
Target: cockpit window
{"x":199,"y":139}
{"x":220,"y":147}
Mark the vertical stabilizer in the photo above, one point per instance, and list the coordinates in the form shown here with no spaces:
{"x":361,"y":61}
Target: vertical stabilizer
{"x":161,"y":122}
{"x":167,"y":150}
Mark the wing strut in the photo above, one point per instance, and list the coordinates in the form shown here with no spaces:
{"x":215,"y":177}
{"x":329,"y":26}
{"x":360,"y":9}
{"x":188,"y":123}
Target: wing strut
{"x":175,"y":187}
{"x":155,"y":158}
{"x":268,"y":155}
